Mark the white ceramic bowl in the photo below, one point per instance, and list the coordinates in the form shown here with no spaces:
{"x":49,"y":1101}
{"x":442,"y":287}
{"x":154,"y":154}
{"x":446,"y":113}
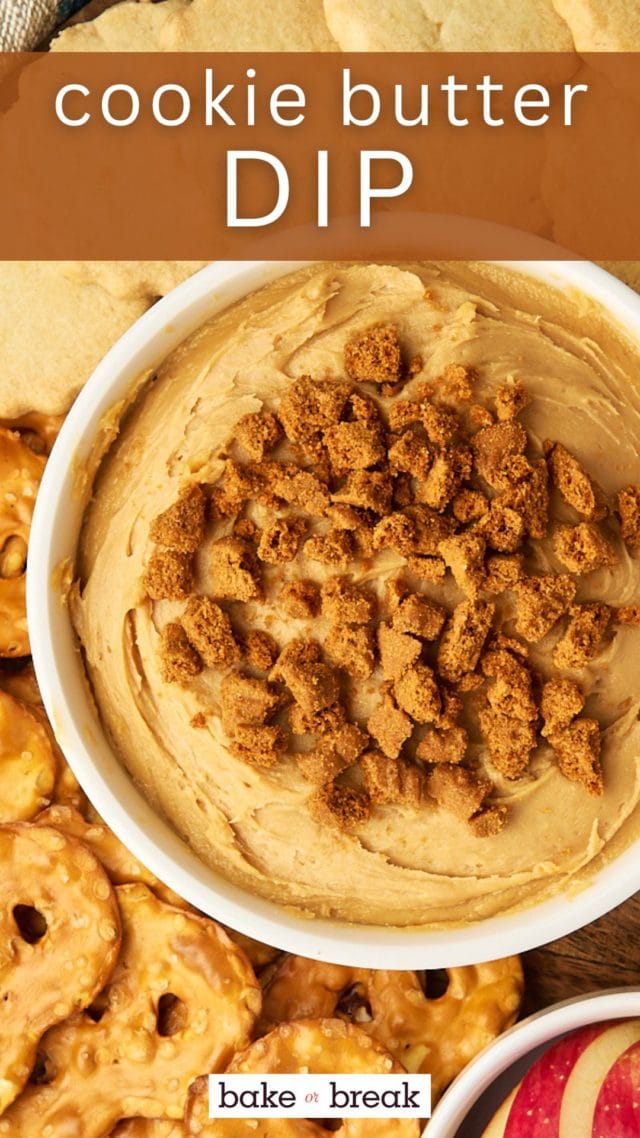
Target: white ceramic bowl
{"x":466,"y":1108}
{"x":60,"y":673}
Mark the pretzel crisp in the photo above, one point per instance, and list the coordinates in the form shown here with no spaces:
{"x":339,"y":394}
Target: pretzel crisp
{"x":121,"y":866}
{"x":314,"y":1046}
{"x":37,"y":431}
{"x":439,"y":1036}
{"x":28,"y":767}
{"x":182,"y":1000}
{"x":149,"y":1128}
{"x":260,"y":955}
{"x":20,"y":474}
{"x":60,"y":936}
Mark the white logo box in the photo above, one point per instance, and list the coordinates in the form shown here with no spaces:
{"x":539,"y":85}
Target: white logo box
{"x":319,"y":1096}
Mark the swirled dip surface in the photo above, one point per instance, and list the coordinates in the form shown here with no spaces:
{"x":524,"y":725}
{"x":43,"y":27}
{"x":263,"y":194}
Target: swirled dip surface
{"x":404,"y":865}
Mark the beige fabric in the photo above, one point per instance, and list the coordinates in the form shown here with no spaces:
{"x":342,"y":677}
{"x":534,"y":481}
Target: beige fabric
{"x":23,"y":23}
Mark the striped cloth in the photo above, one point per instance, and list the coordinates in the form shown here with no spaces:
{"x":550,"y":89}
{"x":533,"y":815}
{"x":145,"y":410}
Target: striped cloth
{"x":24,"y":23}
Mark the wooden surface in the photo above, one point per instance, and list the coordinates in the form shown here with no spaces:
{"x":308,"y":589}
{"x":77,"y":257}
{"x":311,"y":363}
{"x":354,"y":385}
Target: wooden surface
{"x":605,"y":954}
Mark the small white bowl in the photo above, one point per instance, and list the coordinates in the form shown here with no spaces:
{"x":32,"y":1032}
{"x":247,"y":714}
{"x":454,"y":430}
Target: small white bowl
{"x":58,"y":664}
{"x":467,"y":1107}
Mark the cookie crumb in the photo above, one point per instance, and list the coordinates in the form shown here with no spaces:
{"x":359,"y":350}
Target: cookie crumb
{"x":181,"y":526}
{"x":350,"y":646}
{"x":300,"y":599}
{"x":577,"y":751}
{"x":448,"y":746}
{"x":583,"y":548}
{"x":260,"y":649}
{"x":463,"y":639}
{"x":334,"y":548}
{"x":353,"y":446}
{"x":540,"y":602}
{"x":344,"y":805}
{"x":313,"y":684}
{"x":374,"y":356}
{"x":234,"y":570}
{"x":280,"y":540}
{"x":629,"y":512}
{"x":489,"y":821}
{"x":458,"y":790}
{"x":392,"y":781}
{"x":179,"y":661}
{"x":572,"y":482}
{"x":398,"y":651}
{"x":209,"y":630}
{"x":464,"y":555}
{"x":562,"y":700}
{"x":509,"y":741}
{"x":169,"y":575}
{"x":247,"y":701}
{"x":261,"y":745}
{"x":416,"y":692}
{"x":511,"y":399}
{"x":346,"y":603}
{"x":389,"y":726}
{"x":257,"y":433}
{"x":419,"y":616}
{"x":582,"y":636}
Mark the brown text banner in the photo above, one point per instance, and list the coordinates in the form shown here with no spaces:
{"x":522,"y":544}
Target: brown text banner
{"x":195,"y":156}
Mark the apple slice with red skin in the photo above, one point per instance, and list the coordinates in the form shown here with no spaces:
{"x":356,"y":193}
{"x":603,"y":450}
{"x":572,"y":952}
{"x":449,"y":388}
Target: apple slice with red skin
{"x":535,"y":1112}
{"x":588,"y":1075}
{"x":496,"y":1127}
{"x":617,"y":1111}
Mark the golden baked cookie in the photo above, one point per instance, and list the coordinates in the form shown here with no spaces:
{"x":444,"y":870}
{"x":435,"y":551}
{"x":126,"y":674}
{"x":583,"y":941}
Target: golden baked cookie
{"x":442,"y":25}
{"x":602,"y":25}
{"x":126,"y":280}
{"x":203,"y":25}
{"x":53,"y":332}
{"x":123,"y":27}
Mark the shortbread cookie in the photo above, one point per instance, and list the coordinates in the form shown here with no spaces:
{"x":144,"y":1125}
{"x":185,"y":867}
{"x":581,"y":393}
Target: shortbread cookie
{"x":602,"y":25}
{"x":447,"y":25}
{"x":129,"y":280}
{"x":125,"y":27}
{"x":53,"y":332}
{"x":204,"y":25}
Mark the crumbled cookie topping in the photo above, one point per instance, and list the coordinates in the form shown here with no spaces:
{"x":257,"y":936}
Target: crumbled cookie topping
{"x":168,"y":576}
{"x":406,"y":528}
{"x":210,"y":632}
{"x":573,"y":483}
{"x":181,"y":526}
{"x":629,"y":511}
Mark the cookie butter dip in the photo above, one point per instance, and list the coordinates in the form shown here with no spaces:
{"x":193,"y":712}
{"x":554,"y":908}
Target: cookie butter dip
{"x":356,"y":591}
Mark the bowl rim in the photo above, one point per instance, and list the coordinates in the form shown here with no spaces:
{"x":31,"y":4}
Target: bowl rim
{"x":537,"y":1029}
{"x":56,"y":659}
